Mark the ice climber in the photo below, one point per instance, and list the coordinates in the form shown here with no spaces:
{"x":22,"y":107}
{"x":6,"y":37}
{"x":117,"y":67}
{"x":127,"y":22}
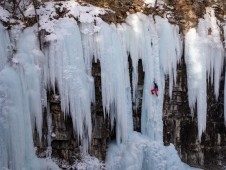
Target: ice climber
{"x":155,"y":89}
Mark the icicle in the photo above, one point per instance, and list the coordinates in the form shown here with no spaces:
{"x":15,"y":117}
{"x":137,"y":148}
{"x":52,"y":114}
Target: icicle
{"x":67,"y":70}
{"x":204,"y":55}
{"x":31,"y":58}
{"x":170,"y":49}
{"x":114,"y":78}
{"x":87,"y":34}
{"x":134,"y":42}
{"x":195,"y":61}
{"x":145,"y":40}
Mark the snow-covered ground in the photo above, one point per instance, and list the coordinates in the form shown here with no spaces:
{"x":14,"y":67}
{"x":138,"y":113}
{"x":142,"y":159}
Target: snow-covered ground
{"x":66,"y":63}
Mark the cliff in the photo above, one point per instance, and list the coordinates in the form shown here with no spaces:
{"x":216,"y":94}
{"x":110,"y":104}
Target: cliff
{"x":180,"y":125}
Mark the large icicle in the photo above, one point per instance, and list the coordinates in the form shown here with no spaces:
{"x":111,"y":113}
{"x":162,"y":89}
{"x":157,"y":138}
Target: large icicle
{"x":114,"y":78}
{"x":196,"y":71}
{"x":170,"y":49}
{"x":32,"y":59}
{"x":67,"y":70}
{"x":204,"y":55}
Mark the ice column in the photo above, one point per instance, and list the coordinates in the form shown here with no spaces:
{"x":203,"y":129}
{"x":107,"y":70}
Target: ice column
{"x":170,"y":49}
{"x":32,"y":59}
{"x":20,"y":106}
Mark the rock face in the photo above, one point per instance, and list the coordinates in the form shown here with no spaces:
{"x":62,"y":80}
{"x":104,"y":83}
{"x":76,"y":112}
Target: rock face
{"x":180,"y":127}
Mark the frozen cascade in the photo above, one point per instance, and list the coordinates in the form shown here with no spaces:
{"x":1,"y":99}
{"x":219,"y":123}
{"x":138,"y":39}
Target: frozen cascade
{"x":204,"y":56}
{"x":68,"y":71}
{"x":89,"y":50}
{"x":171,"y":42}
{"x":144,"y":41}
{"x":31,"y":58}
{"x":114,"y":79}
{"x":70,"y":52}
{"x":20,"y":105}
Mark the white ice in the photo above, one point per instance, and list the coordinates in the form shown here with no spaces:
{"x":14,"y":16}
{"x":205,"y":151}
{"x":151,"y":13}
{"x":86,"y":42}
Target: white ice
{"x":115,"y":83}
{"x":204,"y":56}
{"x":159,"y":45}
{"x":67,"y":72}
{"x":141,"y":153}
{"x":4,"y":14}
{"x":66,"y":67}
{"x":20,"y":106}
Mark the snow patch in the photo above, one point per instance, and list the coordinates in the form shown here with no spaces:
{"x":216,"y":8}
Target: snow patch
{"x":4,"y":15}
{"x":49,"y":13}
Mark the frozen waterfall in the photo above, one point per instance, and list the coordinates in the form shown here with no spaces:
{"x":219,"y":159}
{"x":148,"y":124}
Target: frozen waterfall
{"x":20,"y":103}
{"x":64,"y":65}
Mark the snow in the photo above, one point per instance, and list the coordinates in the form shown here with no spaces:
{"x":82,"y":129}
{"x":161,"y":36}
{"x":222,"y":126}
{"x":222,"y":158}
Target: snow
{"x":88,"y":162}
{"x":152,"y":3}
{"x":48,"y":15}
{"x":4,"y":14}
{"x":204,"y":55}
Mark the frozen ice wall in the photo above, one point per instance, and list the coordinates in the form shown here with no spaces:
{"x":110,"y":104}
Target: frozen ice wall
{"x":159,"y":46}
{"x":67,"y":71}
{"x":114,"y":79}
{"x":20,"y":104}
{"x":204,"y":55}
{"x":66,"y":67}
